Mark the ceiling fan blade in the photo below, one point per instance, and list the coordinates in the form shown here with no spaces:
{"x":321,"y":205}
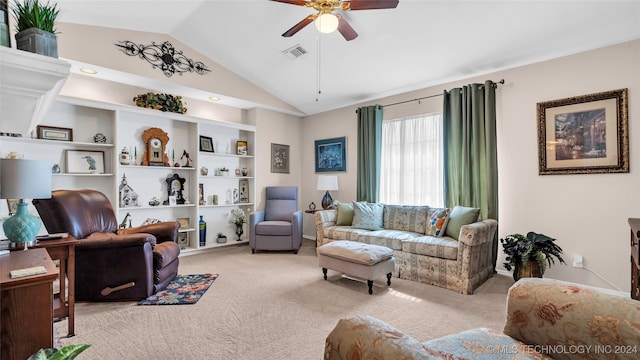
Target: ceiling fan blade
{"x":299,"y":26}
{"x":292,"y":2}
{"x":346,"y":30}
{"x":372,"y":4}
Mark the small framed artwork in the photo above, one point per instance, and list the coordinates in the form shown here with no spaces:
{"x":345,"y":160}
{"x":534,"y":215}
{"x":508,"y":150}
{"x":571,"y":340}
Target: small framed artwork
{"x":12,"y":206}
{"x":46,"y":132}
{"x":241,"y":148}
{"x":183,"y":240}
{"x":85,"y":162}
{"x":279,"y":158}
{"x":201,"y":200}
{"x":206,"y":144}
{"x":331,"y":155}
{"x":586,"y":134}
{"x":244,"y":190}
{"x":184,"y":222}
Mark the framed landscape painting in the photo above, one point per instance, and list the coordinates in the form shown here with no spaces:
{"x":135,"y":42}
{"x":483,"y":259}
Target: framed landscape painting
{"x":331,"y":155}
{"x":586,"y":134}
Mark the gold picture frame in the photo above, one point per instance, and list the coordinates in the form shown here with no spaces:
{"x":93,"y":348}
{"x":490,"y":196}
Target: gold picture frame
{"x":586,"y":134}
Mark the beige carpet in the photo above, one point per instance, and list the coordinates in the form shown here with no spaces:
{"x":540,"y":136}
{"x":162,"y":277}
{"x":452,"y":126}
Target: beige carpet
{"x":274,"y":306}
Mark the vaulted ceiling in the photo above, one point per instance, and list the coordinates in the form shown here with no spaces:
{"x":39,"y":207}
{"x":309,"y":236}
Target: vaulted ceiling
{"x":420,"y":43}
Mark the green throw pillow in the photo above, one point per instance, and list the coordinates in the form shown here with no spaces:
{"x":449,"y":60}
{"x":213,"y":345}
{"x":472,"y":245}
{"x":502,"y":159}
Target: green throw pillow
{"x":458,"y":217}
{"x":344,"y":216}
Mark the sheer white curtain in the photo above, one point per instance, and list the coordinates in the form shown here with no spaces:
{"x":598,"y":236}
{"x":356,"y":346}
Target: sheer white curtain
{"x":411,"y":165}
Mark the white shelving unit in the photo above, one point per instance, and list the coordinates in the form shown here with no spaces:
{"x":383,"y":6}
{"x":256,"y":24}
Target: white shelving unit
{"x":123,"y":126}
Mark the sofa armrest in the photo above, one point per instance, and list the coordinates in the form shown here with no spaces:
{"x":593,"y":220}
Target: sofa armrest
{"x":551,"y":312}
{"x":365,"y":337}
{"x":163,"y":231}
{"x":478,"y":233}
{"x":112,"y":241}
{"x":324,"y":219}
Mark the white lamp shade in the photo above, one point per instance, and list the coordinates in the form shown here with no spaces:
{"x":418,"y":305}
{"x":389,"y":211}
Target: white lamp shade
{"x":25,"y":179}
{"x":327,"y":23}
{"x":328,"y":182}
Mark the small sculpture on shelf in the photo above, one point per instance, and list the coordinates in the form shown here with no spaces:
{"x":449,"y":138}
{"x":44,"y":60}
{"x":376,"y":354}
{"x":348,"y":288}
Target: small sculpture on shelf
{"x":185,"y":154}
{"x":99,"y":138}
{"x":55,"y":169}
{"x":204,"y":171}
{"x":123,"y":224}
{"x":154,"y":201}
{"x":128,"y":197}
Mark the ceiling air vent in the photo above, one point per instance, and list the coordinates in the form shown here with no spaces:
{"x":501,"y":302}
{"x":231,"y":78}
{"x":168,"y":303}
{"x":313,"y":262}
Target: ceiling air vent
{"x":295,"y":51}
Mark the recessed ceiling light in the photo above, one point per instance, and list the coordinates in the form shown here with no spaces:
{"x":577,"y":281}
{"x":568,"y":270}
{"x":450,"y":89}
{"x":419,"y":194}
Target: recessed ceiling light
{"x":88,"y":71}
{"x":214,"y":98}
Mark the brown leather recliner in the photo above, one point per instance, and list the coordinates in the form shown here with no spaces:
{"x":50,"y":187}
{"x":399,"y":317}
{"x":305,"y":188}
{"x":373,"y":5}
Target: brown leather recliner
{"x":111,"y":264}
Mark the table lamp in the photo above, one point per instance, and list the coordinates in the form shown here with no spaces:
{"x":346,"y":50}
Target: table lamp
{"x":327,"y":182}
{"x":23,"y":179}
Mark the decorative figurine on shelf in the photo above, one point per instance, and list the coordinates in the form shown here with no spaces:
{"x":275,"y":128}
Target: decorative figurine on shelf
{"x":204,"y":171}
{"x":202,"y":226}
{"x":238,"y":221}
{"x":125,"y":156}
{"x":99,"y":138}
{"x":128,"y":197}
{"x":175,"y":186}
{"x":155,"y":140}
{"x":238,"y":172}
{"x":154,"y":201}
{"x":185,"y":154}
{"x":123,"y":224}
{"x":214,"y":199}
{"x":55,"y":169}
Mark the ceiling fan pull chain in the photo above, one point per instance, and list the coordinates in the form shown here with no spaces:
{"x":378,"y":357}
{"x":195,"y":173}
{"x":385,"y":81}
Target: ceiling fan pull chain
{"x":318,"y":90}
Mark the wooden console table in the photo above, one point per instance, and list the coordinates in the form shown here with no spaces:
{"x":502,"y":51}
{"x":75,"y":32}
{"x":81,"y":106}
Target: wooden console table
{"x":26,"y":304}
{"x":634,"y":224}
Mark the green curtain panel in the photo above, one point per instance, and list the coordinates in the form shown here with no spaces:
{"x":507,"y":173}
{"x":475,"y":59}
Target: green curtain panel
{"x":369,"y":152}
{"x":470,"y":154}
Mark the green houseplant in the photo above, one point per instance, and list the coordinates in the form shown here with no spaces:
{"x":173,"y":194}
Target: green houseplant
{"x":68,"y":352}
{"x":529,"y":255}
{"x":35,"y":26}
{"x":162,"y":102}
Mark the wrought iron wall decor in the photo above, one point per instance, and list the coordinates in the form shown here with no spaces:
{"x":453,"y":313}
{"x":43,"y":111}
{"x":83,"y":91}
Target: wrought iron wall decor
{"x":163,"y":56}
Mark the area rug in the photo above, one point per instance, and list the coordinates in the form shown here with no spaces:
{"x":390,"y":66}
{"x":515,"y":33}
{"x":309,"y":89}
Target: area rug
{"x":184,"y":289}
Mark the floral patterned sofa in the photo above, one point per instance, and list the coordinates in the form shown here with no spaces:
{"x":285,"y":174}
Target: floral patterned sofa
{"x":546,"y":319}
{"x":458,"y":261}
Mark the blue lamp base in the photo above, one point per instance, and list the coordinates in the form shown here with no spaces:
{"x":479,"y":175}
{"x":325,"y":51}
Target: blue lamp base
{"x":21,"y":229}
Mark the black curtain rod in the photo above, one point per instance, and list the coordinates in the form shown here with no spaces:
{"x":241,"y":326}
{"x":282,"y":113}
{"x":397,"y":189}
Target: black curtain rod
{"x":495,"y":84}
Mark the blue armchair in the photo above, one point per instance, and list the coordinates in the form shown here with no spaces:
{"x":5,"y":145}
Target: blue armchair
{"x":279,"y":225}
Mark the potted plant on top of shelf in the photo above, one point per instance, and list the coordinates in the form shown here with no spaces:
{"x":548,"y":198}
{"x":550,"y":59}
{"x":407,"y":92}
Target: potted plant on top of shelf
{"x":529,"y":255}
{"x":162,"y":102}
{"x":35,"y":26}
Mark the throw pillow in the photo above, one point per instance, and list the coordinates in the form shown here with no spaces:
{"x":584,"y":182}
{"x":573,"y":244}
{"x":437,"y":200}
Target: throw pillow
{"x":367,"y":216}
{"x":438,"y":222}
{"x":344,"y":216}
{"x":458,"y":217}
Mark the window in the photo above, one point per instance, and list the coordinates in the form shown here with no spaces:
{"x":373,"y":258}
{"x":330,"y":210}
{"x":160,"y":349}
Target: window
{"x":411,"y":165}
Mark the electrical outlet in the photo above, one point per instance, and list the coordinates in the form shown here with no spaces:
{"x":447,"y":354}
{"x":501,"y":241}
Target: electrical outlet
{"x":578,"y":261}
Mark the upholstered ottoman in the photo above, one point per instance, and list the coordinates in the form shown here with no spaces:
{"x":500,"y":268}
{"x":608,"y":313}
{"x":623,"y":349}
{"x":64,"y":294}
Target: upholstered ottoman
{"x":365,"y":261}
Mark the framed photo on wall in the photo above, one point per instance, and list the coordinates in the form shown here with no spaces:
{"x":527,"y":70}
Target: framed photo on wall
{"x":206,"y":144}
{"x":279,"y":158}
{"x":331,"y":155}
{"x":85,"y":162}
{"x":586,"y":134}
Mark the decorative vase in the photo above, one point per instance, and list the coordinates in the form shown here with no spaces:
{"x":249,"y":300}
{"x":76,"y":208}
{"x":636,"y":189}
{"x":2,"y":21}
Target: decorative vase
{"x":202,"y":226}
{"x":21,"y":228}
{"x":532,"y":269}
{"x":125,"y":156}
{"x":239,"y":232}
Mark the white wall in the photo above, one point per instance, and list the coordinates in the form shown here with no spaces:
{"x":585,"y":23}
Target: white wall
{"x":587,"y":214}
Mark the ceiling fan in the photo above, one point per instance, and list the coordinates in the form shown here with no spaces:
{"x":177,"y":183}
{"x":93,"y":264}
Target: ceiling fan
{"x":327,"y":21}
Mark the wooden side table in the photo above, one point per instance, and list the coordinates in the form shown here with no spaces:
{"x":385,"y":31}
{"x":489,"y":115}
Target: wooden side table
{"x":64,"y":303}
{"x":27,"y":304}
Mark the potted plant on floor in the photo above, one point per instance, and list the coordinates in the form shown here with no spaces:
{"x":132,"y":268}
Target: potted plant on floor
{"x":529,"y":255}
{"x":35,"y":31}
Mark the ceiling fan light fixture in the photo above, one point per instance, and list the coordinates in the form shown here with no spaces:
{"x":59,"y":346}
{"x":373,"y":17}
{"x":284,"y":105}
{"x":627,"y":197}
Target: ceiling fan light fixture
{"x":327,"y":23}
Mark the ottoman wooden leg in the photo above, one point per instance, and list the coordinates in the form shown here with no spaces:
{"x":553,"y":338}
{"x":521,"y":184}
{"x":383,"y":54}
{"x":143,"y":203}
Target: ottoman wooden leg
{"x":324,"y":271}
{"x":370,"y":283}
{"x":389,"y":279}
